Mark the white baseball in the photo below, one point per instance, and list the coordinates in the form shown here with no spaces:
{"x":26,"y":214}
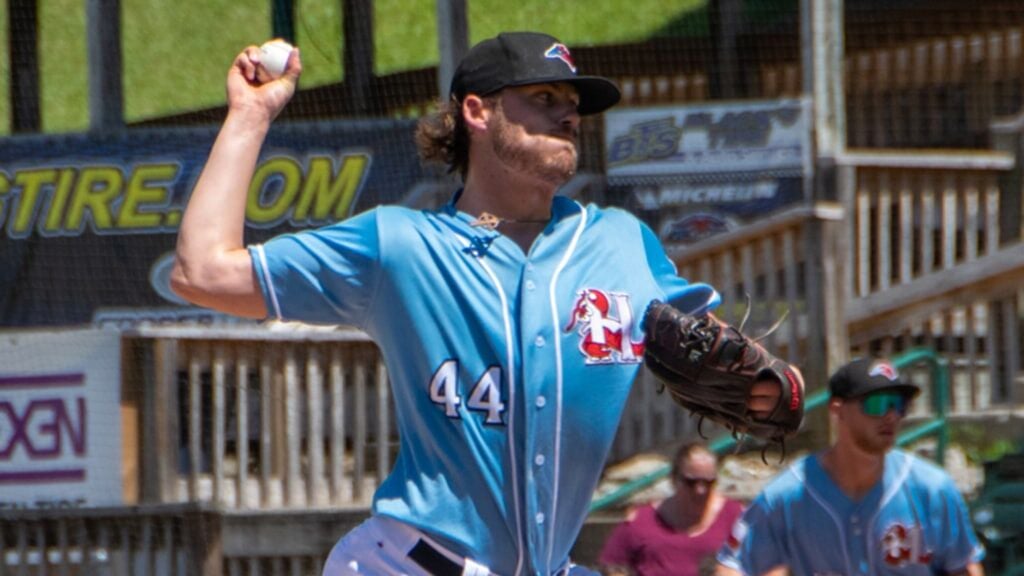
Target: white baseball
{"x":274,"y":57}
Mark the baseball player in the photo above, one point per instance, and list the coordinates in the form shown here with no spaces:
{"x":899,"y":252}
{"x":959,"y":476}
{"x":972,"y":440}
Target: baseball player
{"x":859,"y":507}
{"x":508,"y":318}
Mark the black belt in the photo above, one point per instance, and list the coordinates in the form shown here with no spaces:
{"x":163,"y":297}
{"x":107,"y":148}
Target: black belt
{"x":431,"y":560}
{"x":437,"y":564}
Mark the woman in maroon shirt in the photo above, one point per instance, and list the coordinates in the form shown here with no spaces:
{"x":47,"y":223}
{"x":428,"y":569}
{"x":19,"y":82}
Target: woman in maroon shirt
{"x":674,"y":536}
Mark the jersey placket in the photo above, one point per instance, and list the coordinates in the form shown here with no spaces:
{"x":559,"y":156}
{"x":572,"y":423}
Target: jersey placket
{"x":839,"y":509}
{"x":542,"y":373}
{"x":533,"y":381}
{"x":861,"y":533}
{"x":532,"y":388}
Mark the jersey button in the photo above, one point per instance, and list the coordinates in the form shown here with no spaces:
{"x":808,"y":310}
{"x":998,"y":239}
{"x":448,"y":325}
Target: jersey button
{"x":539,"y":460}
{"x":540,"y":517}
{"x":540,"y":401}
{"x":530,"y":285}
{"x":539,"y":341}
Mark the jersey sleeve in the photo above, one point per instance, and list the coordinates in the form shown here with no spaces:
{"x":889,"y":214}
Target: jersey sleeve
{"x":691,"y":297}
{"x":322,"y":276}
{"x":960,"y":543}
{"x":755,"y":545}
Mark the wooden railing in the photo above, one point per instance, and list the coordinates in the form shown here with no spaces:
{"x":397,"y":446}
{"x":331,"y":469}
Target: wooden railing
{"x":928,"y":267}
{"x":170,"y":539}
{"x":914,"y":213}
{"x":152,"y":540}
{"x":248,"y":419}
{"x":302,"y":418}
{"x":764,"y":267}
{"x":922,"y":261}
{"x":938,"y":92}
{"x":922,"y":265}
{"x":650,"y":420}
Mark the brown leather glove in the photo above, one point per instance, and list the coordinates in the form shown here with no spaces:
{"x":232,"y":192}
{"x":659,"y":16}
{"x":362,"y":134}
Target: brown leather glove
{"x":710,"y":367}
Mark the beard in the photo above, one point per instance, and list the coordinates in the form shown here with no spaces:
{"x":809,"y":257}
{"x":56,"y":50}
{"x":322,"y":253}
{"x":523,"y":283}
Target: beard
{"x":521,"y":153}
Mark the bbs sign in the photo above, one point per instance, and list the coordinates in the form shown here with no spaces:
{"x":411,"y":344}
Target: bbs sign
{"x":60,"y":420}
{"x":694,"y":171}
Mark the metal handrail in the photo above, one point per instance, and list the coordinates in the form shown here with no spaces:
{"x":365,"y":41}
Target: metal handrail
{"x":936,"y":425}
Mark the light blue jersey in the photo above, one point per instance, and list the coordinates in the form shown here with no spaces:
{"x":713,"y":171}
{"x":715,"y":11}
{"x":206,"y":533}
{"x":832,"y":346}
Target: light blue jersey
{"x":912,"y":522}
{"x":509,"y":370}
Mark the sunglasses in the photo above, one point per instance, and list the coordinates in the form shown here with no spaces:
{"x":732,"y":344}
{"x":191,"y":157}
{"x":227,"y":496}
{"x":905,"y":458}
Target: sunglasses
{"x":879,"y":404}
{"x":692,"y":482}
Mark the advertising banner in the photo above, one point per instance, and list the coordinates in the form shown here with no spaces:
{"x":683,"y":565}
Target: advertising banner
{"x":60,"y":419}
{"x":87,"y":224}
{"x":696,"y":170}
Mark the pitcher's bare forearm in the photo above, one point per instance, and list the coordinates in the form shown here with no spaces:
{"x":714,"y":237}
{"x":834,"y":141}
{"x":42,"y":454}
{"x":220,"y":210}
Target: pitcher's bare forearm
{"x":212,"y":266}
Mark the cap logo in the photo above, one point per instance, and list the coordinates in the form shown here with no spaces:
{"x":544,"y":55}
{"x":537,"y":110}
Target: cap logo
{"x":884,"y":369}
{"x":560,"y":52}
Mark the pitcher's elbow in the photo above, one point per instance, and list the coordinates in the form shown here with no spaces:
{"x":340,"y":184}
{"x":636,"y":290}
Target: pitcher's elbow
{"x":180,"y":282}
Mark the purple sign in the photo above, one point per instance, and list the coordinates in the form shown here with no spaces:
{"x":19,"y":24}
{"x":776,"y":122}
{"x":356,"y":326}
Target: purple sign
{"x":44,"y":427}
{"x":60,"y":419}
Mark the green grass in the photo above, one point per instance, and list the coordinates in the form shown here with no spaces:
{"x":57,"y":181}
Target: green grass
{"x":175,"y":54}
{"x":591,"y":22}
{"x":62,"y":59}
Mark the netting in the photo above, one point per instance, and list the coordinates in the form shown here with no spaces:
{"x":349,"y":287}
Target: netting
{"x":114,"y":392}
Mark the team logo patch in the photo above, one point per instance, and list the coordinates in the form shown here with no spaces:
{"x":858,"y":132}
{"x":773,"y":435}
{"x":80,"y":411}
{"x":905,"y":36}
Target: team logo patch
{"x":902,"y":545}
{"x":560,"y":52}
{"x":885,"y":370}
{"x":695,"y":227}
{"x":605,"y":333}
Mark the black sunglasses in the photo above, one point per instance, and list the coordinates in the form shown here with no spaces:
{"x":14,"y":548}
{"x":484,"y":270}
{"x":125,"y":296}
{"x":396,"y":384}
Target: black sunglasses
{"x":692,"y":482}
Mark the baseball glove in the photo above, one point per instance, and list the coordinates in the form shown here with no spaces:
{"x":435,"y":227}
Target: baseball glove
{"x":710,"y":367}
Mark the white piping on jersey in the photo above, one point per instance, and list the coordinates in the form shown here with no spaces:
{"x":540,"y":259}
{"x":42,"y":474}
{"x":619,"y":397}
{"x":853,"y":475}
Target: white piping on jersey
{"x":510,"y":375}
{"x":556,"y":325}
{"x":828,"y":510}
{"x":268,"y":280}
{"x":901,"y":477}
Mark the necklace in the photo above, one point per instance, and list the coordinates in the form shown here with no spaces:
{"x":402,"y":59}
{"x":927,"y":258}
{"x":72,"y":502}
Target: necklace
{"x":491,"y":222}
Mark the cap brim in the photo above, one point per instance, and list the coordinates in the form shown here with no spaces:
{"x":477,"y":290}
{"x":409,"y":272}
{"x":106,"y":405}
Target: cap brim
{"x":597,"y":94}
{"x":909,"y":390}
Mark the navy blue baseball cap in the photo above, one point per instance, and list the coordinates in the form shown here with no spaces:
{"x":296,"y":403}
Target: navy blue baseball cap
{"x":866,"y":375}
{"x":521,"y":58}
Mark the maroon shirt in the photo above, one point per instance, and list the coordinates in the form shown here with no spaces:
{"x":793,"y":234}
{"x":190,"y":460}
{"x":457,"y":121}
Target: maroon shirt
{"x":652,"y":548}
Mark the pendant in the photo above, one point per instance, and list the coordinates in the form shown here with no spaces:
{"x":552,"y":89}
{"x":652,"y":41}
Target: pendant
{"x":486,"y":220}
